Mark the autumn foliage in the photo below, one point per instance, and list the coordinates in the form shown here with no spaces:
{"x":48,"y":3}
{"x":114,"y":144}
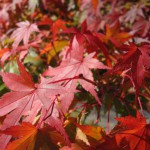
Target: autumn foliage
{"x":74,"y":75}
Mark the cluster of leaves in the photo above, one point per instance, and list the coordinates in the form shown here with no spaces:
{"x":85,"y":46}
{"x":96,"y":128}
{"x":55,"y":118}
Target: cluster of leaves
{"x":60,"y":61}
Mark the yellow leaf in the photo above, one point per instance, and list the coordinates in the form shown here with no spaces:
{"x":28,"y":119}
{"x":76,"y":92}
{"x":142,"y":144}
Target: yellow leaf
{"x":53,"y":49}
{"x":81,"y":136}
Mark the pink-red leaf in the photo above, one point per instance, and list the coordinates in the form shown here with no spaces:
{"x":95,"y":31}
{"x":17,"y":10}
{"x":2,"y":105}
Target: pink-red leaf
{"x":23,"y":32}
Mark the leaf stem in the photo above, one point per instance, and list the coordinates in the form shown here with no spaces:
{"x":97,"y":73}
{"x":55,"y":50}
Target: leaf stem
{"x":43,"y":119}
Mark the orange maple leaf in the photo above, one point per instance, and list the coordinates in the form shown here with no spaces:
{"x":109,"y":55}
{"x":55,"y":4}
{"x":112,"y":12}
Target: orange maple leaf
{"x":26,"y":134}
{"x":97,"y":133}
{"x":114,"y":35}
{"x":29,"y":137}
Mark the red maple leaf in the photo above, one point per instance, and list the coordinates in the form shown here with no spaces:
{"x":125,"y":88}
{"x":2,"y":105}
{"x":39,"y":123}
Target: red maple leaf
{"x":45,"y":21}
{"x":135,"y":131}
{"x":91,"y":39}
{"x":131,"y":133}
{"x":75,"y":66}
{"x":137,"y":60}
{"x":56,"y":26}
{"x":24,"y":93}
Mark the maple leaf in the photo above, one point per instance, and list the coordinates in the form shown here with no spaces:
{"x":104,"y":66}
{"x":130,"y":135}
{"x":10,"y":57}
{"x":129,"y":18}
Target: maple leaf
{"x":131,"y":133}
{"x":133,"y":13}
{"x":23,"y":32}
{"x":30,"y":137}
{"x":24,"y":93}
{"x":114,"y":35}
{"x":91,"y":40}
{"x":26,"y":132}
{"x":142,"y":27}
{"x":137,"y":60}
{"x":135,"y":131}
{"x":97,"y":133}
{"x":76,"y":65}
{"x":56,"y":26}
